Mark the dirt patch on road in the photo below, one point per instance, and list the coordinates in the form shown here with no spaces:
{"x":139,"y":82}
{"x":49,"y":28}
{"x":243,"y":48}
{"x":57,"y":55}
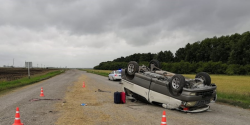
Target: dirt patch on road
{"x":72,"y":111}
{"x":100,"y":108}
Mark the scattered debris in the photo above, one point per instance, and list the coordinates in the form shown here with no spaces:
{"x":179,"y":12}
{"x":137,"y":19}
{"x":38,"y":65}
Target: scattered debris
{"x":83,"y":104}
{"x":132,"y":99}
{"x":209,"y":110}
{"x":53,"y":112}
{"x":36,"y":99}
{"x":137,"y":105}
{"x":132,"y":106}
{"x":99,"y":90}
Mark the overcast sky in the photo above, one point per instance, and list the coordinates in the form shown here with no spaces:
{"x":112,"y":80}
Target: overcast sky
{"x":83,"y":33}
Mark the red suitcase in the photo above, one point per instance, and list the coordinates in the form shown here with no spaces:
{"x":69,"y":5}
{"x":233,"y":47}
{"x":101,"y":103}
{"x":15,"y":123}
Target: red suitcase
{"x":123,"y":97}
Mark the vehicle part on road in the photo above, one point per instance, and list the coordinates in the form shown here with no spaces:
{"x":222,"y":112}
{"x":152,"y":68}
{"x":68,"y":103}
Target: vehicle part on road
{"x":132,"y":68}
{"x":17,"y":120}
{"x":132,"y":99}
{"x":42,"y":95}
{"x":99,"y":90}
{"x":36,"y":99}
{"x":131,"y":106}
{"x":202,"y":109}
{"x":167,"y":89}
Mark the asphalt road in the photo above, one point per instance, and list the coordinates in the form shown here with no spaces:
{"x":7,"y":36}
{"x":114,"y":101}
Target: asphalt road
{"x":36,"y":112}
{"x":43,"y":112}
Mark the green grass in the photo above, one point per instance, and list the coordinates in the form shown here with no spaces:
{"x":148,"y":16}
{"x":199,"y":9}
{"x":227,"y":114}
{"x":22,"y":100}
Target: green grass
{"x":234,"y":99}
{"x":234,"y":90}
{"x":7,"y":85}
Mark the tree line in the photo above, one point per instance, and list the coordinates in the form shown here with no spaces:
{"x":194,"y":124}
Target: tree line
{"x":217,"y":55}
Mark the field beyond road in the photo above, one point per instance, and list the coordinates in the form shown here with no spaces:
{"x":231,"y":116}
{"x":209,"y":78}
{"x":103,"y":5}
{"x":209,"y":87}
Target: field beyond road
{"x":16,"y":77}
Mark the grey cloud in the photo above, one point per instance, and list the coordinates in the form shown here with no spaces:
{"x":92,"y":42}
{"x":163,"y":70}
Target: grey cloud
{"x":97,"y":17}
{"x":75,"y":26}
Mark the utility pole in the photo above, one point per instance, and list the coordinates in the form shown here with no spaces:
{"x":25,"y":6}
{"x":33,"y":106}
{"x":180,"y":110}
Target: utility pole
{"x":29,"y":69}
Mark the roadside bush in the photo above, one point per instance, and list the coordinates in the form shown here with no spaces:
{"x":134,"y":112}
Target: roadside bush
{"x":183,"y":67}
{"x":167,"y":66}
{"x":211,"y":67}
{"x":199,"y":67}
{"x":232,"y":69}
{"x":218,"y":67}
{"x":247,"y":69}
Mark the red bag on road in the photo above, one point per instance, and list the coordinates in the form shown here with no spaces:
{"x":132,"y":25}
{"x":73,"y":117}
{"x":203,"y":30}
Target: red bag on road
{"x":123,"y":97}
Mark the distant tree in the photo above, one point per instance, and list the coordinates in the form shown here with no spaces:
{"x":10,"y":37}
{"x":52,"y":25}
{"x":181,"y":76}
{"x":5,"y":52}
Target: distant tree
{"x":206,"y":48}
{"x":146,"y":57}
{"x":134,"y":57}
{"x":225,"y":54}
{"x":194,"y":52}
{"x":221,"y":50}
{"x":188,"y":51}
{"x":168,"y":56}
{"x":161,"y":56}
{"x":240,"y":50}
{"x":122,"y":59}
{"x":180,"y":55}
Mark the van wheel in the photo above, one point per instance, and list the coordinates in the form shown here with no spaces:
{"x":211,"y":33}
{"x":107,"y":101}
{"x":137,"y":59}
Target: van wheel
{"x":132,"y":68}
{"x":177,"y":83}
{"x":155,"y":62}
{"x":205,"y":77}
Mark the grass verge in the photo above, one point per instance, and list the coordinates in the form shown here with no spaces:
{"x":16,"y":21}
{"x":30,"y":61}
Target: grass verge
{"x":6,"y":85}
{"x":234,"y":99}
{"x":233,"y":90}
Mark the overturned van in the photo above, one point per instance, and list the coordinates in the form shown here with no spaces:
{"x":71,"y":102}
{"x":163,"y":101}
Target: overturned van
{"x":170,"y":90}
